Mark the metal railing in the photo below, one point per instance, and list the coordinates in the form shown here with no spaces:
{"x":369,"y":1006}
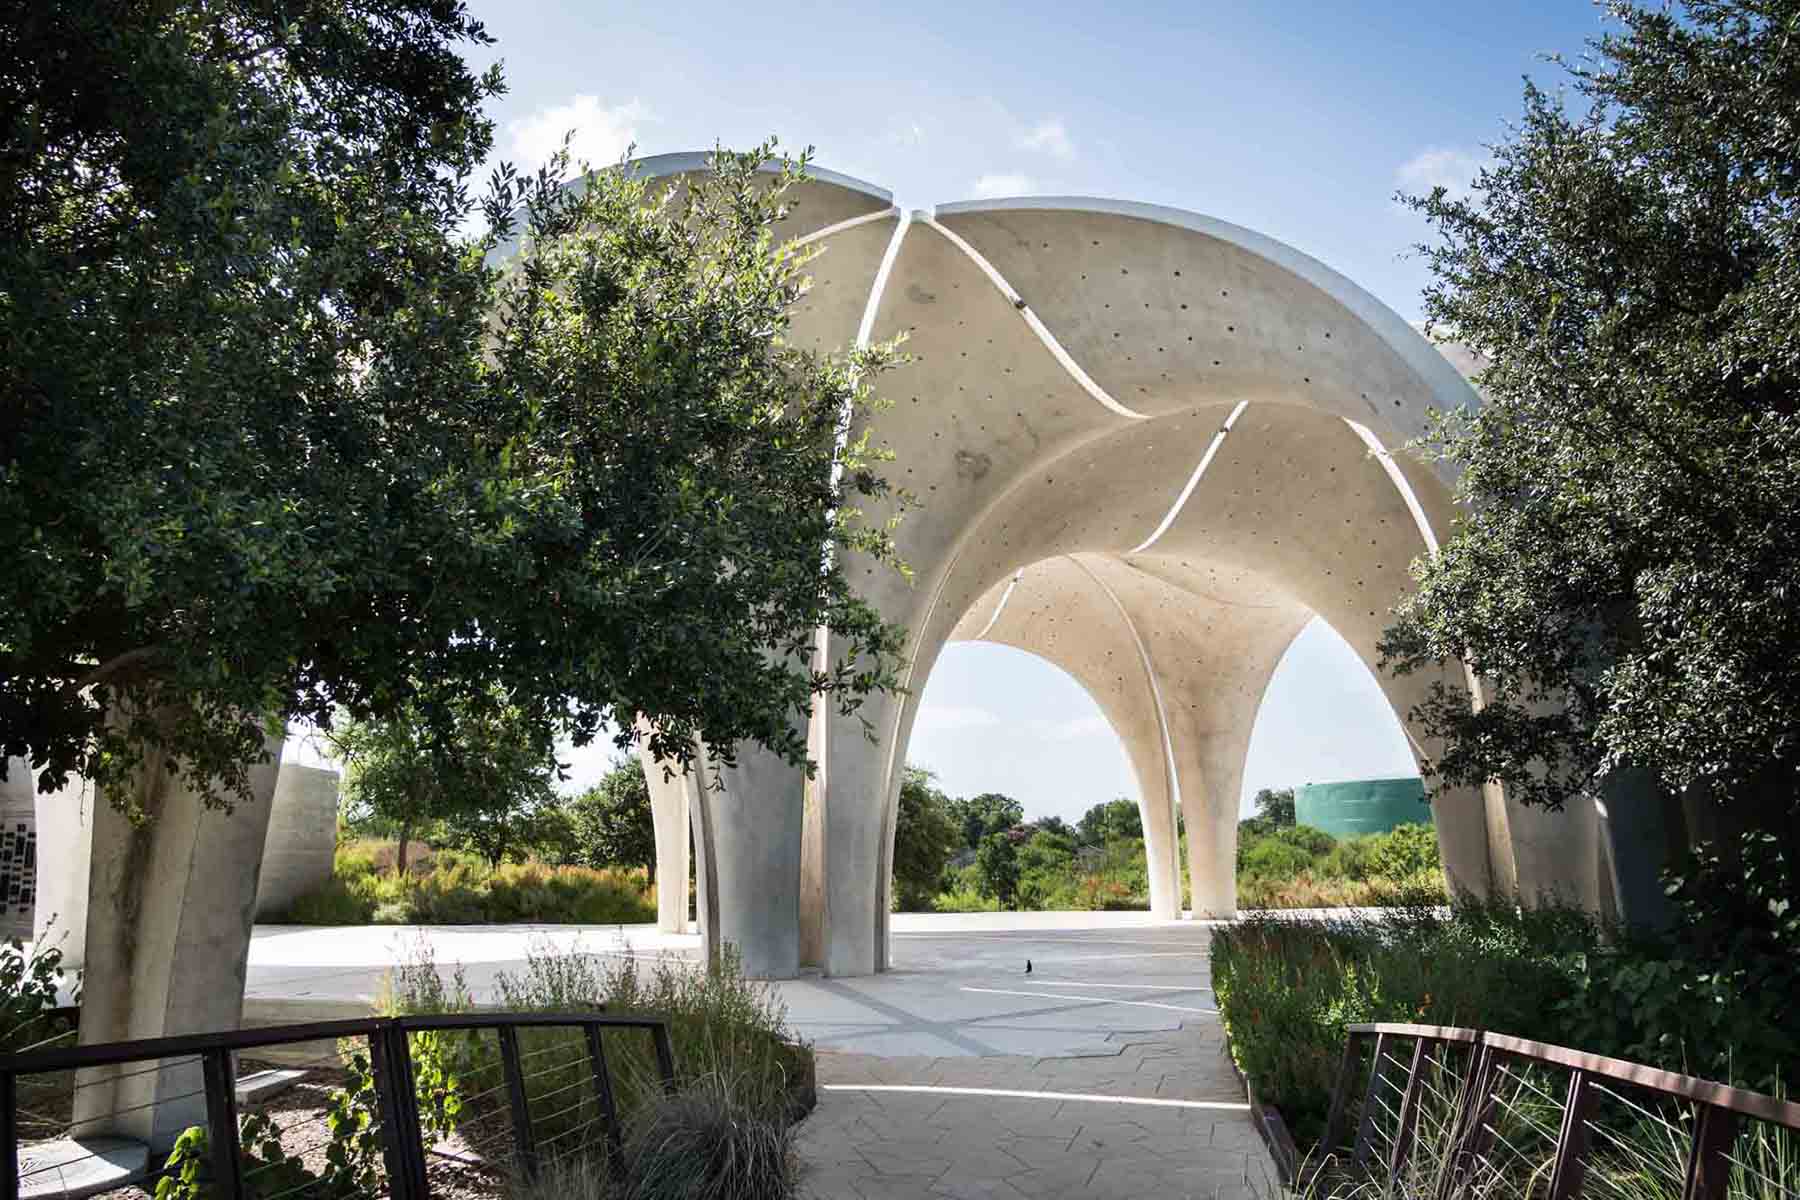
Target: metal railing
{"x":1499,"y":1115}
{"x":397,"y":1123}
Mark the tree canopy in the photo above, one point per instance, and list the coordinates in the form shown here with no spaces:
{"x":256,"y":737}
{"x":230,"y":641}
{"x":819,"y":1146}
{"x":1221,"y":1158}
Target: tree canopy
{"x":984,"y":815}
{"x":1623,"y":583}
{"x":925,"y":836}
{"x":1110,"y":820}
{"x":277,"y":441}
{"x":997,"y":867}
{"x":612,"y":821}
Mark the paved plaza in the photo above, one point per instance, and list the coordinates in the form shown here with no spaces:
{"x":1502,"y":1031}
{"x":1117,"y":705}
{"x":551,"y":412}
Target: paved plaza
{"x":957,"y":1074}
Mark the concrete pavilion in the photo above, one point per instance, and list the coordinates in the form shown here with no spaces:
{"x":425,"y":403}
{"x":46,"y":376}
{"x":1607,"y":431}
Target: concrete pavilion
{"x":1147,"y":446}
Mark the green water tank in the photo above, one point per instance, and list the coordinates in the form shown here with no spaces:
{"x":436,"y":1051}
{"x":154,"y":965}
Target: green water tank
{"x":1359,"y":806}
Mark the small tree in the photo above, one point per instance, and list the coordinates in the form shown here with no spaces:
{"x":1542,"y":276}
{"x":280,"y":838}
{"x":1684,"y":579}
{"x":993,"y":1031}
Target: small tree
{"x":925,"y":836}
{"x":485,"y":771}
{"x":1275,"y":806}
{"x":612,"y":819}
{"x":997,"y":867}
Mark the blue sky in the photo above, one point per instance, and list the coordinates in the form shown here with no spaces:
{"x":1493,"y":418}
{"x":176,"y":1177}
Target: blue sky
{"x":1297,"y":119}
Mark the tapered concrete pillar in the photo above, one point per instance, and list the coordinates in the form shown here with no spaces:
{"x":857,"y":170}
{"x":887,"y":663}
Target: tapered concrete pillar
{"x":850,"y":833}
{"x":65,"y":852}
{"x":754,"y":824}
{"x":673,"y":794}
{"x":1215,"y":635}
{"x":171,"y":904}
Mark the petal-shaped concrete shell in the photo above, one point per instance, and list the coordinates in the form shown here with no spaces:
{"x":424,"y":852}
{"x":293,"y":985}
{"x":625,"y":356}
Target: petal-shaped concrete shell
{"x":1144,"y":444}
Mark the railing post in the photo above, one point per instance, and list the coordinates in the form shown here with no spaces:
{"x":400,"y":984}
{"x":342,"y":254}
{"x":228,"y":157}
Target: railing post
{"x":524,"y":1145}
{"x":1471,"y":1121}
{"x":1709,"y":1154}
{"x":222,"y":1123}
{"x":1340,"y":1095}
{"x":402,"y":1147}
{"x":603,"y":1092}
{"x":1365,"y":1126}
{"x":1571,"y":1142}
{"x":665,"y":1055}
{"x":1409,"y":1113}
{"x":9,"y":1128}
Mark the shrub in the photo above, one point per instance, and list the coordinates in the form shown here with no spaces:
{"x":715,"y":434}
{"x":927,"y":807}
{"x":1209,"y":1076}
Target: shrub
{"x":1405,"y":851}
{"x":358,"y":858}
{"x":1286,"y":989}
{"x":338,"y":901}
{"x":1273,"y":858}
{"x":964,"y":900}
{"x":704,"y":1143}
{"x":28,"y":996}
{"x":1352,"y":859}
{"x":461,"y":889}
{"x":571,"y":1176}
{"x":1690,"y":1001}
{"x":721,"y":1026}
{"x":1313,"y":842}
{"x":1715,"y":996}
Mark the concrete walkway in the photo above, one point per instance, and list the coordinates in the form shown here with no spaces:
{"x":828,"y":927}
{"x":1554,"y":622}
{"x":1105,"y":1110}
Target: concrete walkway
{"x":1101,"y":1073}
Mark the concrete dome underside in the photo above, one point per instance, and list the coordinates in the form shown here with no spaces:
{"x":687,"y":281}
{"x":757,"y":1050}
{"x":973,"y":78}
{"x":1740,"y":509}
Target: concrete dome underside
{"x":1144,"y":445}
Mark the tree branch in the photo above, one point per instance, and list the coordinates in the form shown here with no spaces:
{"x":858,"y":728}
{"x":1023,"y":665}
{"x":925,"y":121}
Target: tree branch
{"x":112,"y":667}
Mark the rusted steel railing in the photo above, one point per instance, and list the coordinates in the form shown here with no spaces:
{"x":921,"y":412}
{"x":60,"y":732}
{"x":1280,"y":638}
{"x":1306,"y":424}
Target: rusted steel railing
{"x":1494,"y":1107}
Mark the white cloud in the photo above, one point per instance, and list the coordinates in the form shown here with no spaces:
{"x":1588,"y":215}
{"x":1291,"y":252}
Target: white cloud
{"x":601,"y":134}
{"x":1049,"y":137}
{"x":947,"y":718}
{"x":1092,"y":725}
{"x":1453,"y":170}
{"x":1004,"y":184}
{"x":907,"y":133}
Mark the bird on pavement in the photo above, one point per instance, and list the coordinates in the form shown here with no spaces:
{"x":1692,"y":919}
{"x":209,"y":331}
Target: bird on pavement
{"x":1028,"y":966}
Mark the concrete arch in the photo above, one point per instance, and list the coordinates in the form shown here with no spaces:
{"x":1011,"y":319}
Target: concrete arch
{"x":1178,"y":666}
{"x":1166,"y":441}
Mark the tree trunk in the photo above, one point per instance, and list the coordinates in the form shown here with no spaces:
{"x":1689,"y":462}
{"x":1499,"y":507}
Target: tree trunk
{"x":406,"y":830}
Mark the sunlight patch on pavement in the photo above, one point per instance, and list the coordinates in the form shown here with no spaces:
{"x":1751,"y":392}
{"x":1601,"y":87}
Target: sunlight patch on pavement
{"x":1094,"y":1000}
{"x":1010,"y":1094}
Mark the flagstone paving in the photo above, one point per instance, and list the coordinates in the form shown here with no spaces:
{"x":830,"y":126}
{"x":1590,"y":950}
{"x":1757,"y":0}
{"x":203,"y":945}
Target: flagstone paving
{"x":1161,"y":1116}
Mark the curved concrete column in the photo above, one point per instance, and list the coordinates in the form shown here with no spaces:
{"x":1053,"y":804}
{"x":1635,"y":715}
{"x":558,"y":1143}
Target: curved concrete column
{"x":300,"y":848}
{"x":171,"y":904}
{"x":755,"y":821}
{"x":1216,"y":634}
{"x":673,"y":796}
{"x":853,"y":836}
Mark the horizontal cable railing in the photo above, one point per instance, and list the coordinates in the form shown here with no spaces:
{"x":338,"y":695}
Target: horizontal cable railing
{"x":1458,"y":1114}
{"x":390,"y":1106}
